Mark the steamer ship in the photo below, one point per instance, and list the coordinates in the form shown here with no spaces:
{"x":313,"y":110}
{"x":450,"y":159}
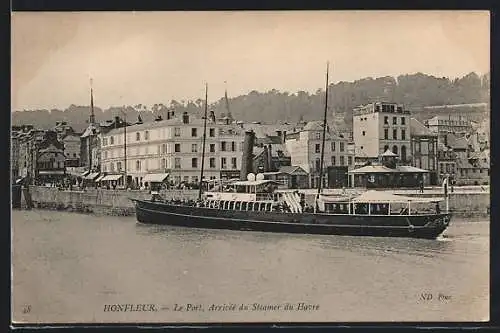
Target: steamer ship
{"x":255,"y":204}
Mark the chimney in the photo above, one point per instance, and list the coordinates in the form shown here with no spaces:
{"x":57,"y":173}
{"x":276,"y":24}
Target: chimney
{"x":185,"y":118}
{"x":269,"y":158}
{"x":247,"y":160}
{"x":265,"y":153}
{"x":168,"y":115}
{"x":283,"y":138}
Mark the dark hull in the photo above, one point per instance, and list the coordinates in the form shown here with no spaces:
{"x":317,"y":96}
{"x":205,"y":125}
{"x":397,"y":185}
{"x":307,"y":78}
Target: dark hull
{"x":416,"y":226}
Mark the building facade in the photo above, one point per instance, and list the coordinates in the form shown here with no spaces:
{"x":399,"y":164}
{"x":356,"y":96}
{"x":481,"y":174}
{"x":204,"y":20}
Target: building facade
{"x":173,"y":146}
{"x":381,"y":126}
{"x":446,"y":124}
{"x":424,"y":150}
{"x":305,"y":151}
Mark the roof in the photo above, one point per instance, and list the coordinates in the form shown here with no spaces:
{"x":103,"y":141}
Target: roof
{"x":316,"y":125}
{"x":373,"y":196}
{"x":409,"y":168}
{"x":372,"y":169}
{"x":384,"y":169}
{"x":90,"y":130}
{"x":419,"y":129}
{"x":292,"y":169}
{"x":389,"y":153}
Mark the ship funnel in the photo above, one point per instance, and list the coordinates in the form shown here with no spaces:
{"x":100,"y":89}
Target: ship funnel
{"x":247,"y":159}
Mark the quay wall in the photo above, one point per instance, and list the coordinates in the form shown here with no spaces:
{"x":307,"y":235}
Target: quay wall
{"x":97,"y":201}
{"x":111,"y":202}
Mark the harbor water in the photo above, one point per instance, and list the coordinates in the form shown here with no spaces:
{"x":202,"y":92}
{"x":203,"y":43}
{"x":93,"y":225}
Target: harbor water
{"x":70,"y":267}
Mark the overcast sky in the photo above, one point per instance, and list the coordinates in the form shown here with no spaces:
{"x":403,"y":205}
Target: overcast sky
{"x":153,"y":57}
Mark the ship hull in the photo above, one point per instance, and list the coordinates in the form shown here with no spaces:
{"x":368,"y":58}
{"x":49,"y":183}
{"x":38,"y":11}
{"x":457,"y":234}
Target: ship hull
{"x":414,"y":226}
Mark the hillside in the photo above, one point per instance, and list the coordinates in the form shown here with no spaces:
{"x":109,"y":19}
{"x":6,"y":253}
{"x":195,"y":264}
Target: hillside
{"x":414,"y":91}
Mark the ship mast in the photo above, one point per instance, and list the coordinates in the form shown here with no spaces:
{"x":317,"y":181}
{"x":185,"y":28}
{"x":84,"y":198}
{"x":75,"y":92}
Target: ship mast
{"x":320,"y":183}
{"x":204,"y":140}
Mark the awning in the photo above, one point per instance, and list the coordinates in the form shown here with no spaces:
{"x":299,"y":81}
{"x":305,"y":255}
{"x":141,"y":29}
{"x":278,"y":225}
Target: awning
{"x":373,"y":196}
{"x":155,"y":177}
{"x":100,"y":178}
{"x":51,"y":172}
{"x":19,"y":180}
{"x":111,"y":177}
{"x":92,"y":176}
{"x":85,"y":173}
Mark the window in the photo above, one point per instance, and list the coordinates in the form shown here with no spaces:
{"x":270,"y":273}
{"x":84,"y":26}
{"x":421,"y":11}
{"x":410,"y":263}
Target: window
{"x":403,"y":153}
{"x":112,"y":140}
{"x":394,"y":134}
{"x":403,"y":134}
{"x":431,"y":147}
{"x":177,"y":131}
{"x":177,"y":147}
{"x":386,"y":147}
{"x":364,"y":133}
{"x":386,"y":134}
{"x":333,"y":146}
{"x":233,"y":163}
{"x":386,"y":120}
{"x":318,"y":148}
{"x":119,"y":166}
{"x":395,"y":149}
{"x":318,"y":136}
{"x":233,"y":146}
{"x":194,"y":132}
{"x":194,"y":148}
{"x":342,"y":146}
{"x":223,"y":163}
{"x":334,"y":160}
{"x":138,"y":136}
{"x":163,"y":163}
{"x":105,"y":141}
{"x":431,"y":163}
{"x":177,"y":163}
{"x":417,"y":146}
{"x":349,"y":160}
{"x":164,"y":148}
{"x":223,"y":146}
{"x":317,"y":164}
{"x":211,"y":132}
{"x":146,"y":135}
{"x":212,"y":147}
{"x":112,"y":166}
{"x":394,"y":120}
{"x":403,"y":120}
{"x":138,"y":165}
{"x":159,"y":149}
{"x":342,"y":160}
{"x":212,"y":162}
{"x":194,"y":162}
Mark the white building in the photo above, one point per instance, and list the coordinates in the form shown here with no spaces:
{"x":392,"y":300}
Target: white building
{"x":173,"y":147}
{"x":381,"y":126}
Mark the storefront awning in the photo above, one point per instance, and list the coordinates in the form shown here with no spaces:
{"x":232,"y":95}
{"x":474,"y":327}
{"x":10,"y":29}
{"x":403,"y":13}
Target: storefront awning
{"x":85,"y":173}
{"x":111,"y":177}
{"x":92,"y":176}
{"x":155,"y":177}
{"x":100,"y":178}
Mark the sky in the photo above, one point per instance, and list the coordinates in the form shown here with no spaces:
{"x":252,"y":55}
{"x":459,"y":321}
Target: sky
{"x":154,"y":57}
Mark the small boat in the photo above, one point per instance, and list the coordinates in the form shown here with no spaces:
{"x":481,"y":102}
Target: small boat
{"x":255,"y":204}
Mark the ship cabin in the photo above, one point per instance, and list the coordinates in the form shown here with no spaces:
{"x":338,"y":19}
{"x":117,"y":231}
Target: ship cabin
{"x":248,"y":195}
{"x":379,"y":203}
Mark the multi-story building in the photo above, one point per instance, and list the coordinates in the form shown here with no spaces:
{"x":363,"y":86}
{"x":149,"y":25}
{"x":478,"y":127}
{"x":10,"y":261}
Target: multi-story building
{"x":424,"y":149}
{"x":173,"y":146}
{"x":305,"y":150}
{"x":14,"y":155}
{"x":444,"y":125}
{"x":380,"y":126}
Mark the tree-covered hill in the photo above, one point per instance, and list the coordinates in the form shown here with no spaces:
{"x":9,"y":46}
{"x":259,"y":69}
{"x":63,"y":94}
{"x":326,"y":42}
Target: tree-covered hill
{"x":414,"y":91}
